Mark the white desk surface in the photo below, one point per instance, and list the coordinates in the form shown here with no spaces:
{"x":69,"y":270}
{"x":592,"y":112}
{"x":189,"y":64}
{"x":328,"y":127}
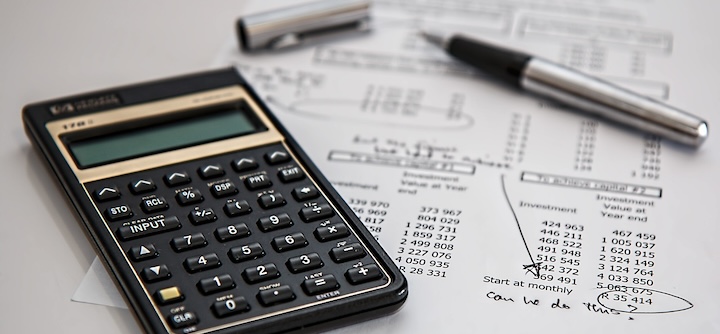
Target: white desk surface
{"x":50,"y":49}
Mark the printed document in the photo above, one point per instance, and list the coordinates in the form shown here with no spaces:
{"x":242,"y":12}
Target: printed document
{"x":508,"y":213}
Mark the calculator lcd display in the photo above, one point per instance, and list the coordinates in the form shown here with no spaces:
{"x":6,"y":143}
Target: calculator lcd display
{"x":161,"y":137}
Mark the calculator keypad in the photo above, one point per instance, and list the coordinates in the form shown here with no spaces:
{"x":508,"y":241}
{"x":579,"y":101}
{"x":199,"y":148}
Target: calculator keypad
{"x":243,"y":235}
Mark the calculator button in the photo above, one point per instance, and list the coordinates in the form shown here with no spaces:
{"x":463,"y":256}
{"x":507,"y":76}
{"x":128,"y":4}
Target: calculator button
{"x":169,"y":295}
{"x":289,"y":242}
{"x":202,"y":216}
{"x":176,"y":179}
{"x":316,"y":212}
{"x":154,"y":204}
{"x":202,"y":262}
{"x":291,"y":174}
{"x":189,"y":196}
{"x":223,"y":189}
{"x":211,"y":171}
{"x":230,"y":306}
{"x":107,"y":194}
{"x":363,"y":274}
{"x":148,"y":227}
{"x":184,"y":319}
{"x":260,"y":273}
{"x":304,"y":262}
{"x":347,"y":252}
{"x":143,"y":252}
{"x":142,"y":186}
{"x":215,"y":284}
{"x":274,"y":222}
{"x":187,"y":242}
{"x":247,"y":252}
{"x":277,"y":157}
{"x":232,"y":232}
{"x":305,"y":193}
{"x":269,"y":201}
{"x":331,"y":232}
{"x":244,"y":164}
{"x":316,"y":286}
{"x":118,"y":212}
{"x":281,"y":294}
{"x":257,"y":182}
{"x":237,"y":208}
{"x":156,"y":273}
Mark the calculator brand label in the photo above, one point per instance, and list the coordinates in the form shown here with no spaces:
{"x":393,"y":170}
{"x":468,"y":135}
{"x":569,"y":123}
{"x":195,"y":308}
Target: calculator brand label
{"x":92,"y":103}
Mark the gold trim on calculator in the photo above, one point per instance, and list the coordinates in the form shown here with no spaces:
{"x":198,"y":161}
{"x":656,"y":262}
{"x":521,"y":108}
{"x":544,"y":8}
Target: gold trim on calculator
{"x":210,"y":98}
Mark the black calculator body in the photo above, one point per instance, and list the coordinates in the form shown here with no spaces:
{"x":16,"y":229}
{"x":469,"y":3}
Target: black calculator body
{"x":206,"y":212}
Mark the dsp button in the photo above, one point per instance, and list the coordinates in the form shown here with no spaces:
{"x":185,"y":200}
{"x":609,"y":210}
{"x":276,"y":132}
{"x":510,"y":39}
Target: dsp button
{"x":291,"y":174}
{"x":223,"y":189}
{"x":148,"y":227}
{"x":316,"y":212}
{"x":184,"y":319}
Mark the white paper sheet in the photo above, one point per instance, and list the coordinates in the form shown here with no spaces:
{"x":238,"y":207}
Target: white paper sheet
{"x":506,"y":213}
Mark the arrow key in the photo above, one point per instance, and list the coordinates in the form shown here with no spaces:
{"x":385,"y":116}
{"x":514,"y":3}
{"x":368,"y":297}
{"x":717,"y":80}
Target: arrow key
{"x":177,"y":178}
{"x":211,"y":171}
{"x":143,"y":252}
{"x":142,"y":186}
{"x":107,"y":193}
{"x":305,"y":193}
{"x":156,"y":273}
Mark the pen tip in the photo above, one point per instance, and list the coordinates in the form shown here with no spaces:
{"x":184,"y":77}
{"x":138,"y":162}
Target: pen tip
{"x":434,"y":37}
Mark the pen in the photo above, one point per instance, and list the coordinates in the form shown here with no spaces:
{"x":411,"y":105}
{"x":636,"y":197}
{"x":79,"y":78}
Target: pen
{"x":574,"y":88}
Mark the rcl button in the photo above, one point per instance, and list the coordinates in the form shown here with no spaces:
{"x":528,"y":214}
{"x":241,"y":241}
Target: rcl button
{"x":184,"y":319}
{"x":154,"y":204}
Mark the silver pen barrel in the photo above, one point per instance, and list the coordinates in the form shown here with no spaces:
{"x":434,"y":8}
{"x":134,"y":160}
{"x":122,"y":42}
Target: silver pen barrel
{"x":590,"y":94}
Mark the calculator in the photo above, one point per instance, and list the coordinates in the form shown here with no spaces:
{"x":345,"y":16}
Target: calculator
{"x":207,"y":213}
